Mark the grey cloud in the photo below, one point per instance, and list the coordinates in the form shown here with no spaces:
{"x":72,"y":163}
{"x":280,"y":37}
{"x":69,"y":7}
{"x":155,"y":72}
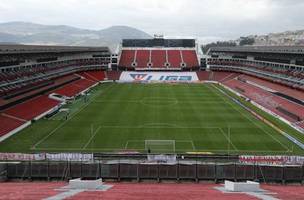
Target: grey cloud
{"x":198,"y":18}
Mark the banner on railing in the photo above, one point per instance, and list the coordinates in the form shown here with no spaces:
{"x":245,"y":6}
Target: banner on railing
{"x":21,"y":157}
{"x":69,"y":157}
{"x":162,"y":158}
{"x":272,"y":160}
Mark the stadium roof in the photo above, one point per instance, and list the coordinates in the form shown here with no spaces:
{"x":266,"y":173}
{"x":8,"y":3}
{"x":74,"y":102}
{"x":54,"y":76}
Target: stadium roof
{"x":18,"y":48}
{"x":260,"y":49}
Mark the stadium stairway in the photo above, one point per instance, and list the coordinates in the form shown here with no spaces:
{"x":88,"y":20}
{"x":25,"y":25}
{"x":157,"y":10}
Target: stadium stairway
{"x":95,"y":76}
{"x":32,"y":108}
{"x":75,"y":88}
{"x":87,"y":80}
{"x":223,"y":76}
{"x":277,"y":87}
{"x":9,"y":124}
{"x":216,"y":76}
{"x":267,"y":99}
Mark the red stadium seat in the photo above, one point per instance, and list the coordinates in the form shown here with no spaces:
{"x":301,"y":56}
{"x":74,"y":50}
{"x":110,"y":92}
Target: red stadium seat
{"x":174,"y":58}
{"x":75,"y":88}
{"x":267,"y":99}
{"x":32,"y":108}
{"x":190,"y":58}
{"x":113,"y":75}
{"x":127,"y":58}
{"x":142,"y":58}
{"x":8,"y":124}
{"x":158,"y":58}
{"x":93,"y":75}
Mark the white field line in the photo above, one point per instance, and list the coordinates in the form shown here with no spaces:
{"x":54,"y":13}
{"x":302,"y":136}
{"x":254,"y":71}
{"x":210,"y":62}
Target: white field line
{"x":228,"y":139}
{"x":176,"y":141}
{"x":185,"y":141}
{"x":257,"y":125}
{"x":66,"y":121}
{"x":130,"y":141}
{"x":193,"y":146}
{"x":127,"y":143}
{"x":172,"y":126}
{"x":91,"y":138}
{"x":59,"y":126}
{"x":181,"y":150}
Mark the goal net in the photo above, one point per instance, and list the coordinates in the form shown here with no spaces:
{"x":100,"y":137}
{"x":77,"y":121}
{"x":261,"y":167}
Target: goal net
{"x":160,"y":146}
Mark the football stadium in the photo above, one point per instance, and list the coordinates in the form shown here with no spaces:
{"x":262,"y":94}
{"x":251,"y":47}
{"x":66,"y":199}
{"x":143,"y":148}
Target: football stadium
{"x":154,"y":111}
{"x":158,"y":97}
{"x":156,"y":118}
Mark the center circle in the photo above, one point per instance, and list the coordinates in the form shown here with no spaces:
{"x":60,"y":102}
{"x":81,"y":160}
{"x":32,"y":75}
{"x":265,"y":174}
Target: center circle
{"x":159,"y":101}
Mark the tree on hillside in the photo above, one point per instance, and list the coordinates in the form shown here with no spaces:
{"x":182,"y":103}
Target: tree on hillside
{"x":206,"y":47}
{"x":246,"y":41}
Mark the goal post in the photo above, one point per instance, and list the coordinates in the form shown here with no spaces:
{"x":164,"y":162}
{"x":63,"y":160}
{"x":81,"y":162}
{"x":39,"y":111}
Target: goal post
{"x":158,"y":146}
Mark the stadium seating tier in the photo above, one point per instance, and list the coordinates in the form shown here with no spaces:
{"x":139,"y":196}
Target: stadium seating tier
{"x":158,"y":58}
{"x":8,"y":124}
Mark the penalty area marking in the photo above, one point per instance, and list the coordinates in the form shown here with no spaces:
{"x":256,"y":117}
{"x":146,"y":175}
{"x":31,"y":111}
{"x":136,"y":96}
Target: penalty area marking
{"x":143,"y":141}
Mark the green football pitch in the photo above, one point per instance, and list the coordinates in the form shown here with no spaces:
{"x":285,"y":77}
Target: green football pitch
{"x":163,"y":118}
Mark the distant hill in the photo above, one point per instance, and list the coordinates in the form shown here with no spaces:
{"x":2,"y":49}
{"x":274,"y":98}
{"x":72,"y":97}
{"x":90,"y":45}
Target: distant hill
{"x":288,"y":38}
{"x":30,"y":33}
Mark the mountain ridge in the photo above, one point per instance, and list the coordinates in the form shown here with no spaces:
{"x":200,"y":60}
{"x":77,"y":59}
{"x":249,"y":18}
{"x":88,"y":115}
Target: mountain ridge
{"x":32,"y":33}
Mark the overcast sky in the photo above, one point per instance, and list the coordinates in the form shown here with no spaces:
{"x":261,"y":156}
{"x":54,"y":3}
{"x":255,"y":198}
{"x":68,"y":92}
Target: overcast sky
{"x":205,"y":19}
